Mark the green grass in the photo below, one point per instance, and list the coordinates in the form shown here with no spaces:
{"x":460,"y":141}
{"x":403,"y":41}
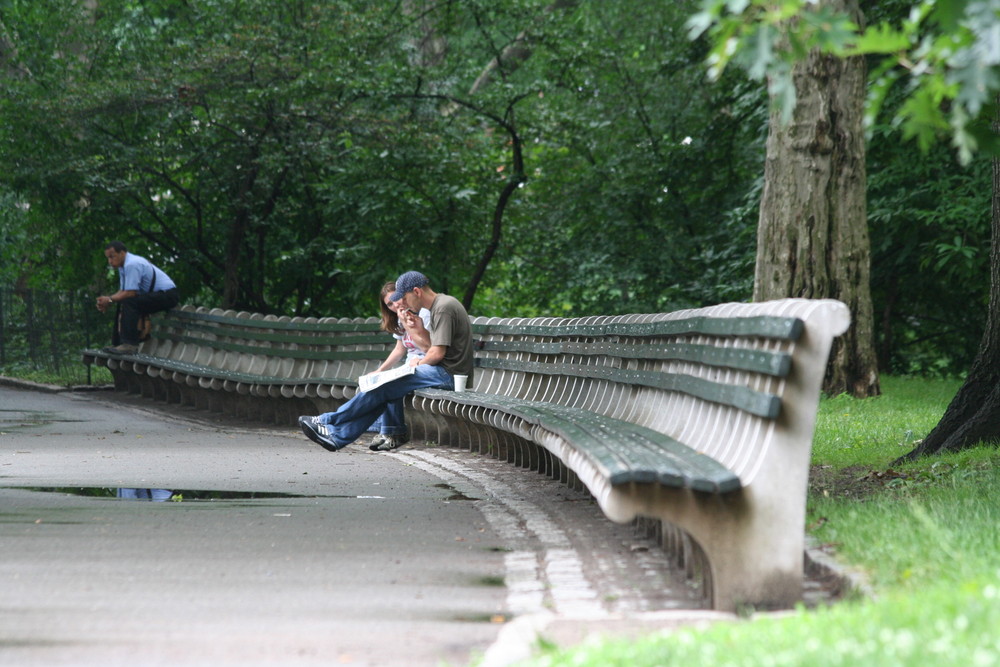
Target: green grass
{"x":875,"y":431}
{"x":68,"y":376}
{"x":925,"y":535}
{"x":937,"y":626}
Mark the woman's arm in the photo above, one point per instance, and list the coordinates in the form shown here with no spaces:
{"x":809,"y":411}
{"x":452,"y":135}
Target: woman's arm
{"x":394,"y":357}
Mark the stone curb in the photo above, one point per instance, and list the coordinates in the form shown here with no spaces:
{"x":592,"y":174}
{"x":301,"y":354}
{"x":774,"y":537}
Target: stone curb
{"x":18,"y":383}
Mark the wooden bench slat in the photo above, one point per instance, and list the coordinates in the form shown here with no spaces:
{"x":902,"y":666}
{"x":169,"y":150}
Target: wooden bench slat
{"x":647,"y":457}
{"x":369,"y":324}
{"x":644,"y":455}
{"x":198,"y":370}
{"x":297,"y":353}
{"x":283,"y":336}
{"x":744,"y":398}
{"x":764,"y":326}
{"x":769,"y":362}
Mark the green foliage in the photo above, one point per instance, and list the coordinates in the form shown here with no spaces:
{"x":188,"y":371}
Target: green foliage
{"x":929,"y":222}
{"x":290,"y":157}
{"x":631,"y":185}
{"x":948,"y":49}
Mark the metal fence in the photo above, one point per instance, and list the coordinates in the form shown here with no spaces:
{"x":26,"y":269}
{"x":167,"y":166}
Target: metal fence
{"x":43,"y":331}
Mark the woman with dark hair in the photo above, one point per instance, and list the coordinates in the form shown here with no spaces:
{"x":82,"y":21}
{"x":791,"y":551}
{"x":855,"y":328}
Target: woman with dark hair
{"x":409,"y":329}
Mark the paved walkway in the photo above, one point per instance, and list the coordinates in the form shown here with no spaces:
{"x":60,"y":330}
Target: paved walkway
{"x":423,"y":556}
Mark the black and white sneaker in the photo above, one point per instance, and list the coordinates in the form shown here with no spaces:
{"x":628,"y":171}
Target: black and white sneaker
{"x":389,"y":442}
{"x":318,"y":433}
{"x":377,"y":442}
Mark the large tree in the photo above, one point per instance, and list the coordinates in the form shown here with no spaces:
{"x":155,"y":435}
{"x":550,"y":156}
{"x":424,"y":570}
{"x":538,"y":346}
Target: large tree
{"x":974,"y":414}
{"x":813,"y":232}
{"x":950,"y":51}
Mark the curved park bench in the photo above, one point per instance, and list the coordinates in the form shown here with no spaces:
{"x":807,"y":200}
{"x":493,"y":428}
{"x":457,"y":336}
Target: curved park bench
{"x":237,"y":362}
{"x":699,"y":422}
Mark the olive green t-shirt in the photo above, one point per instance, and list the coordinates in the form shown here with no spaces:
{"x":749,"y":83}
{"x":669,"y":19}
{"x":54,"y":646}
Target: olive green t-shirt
{"x":451,"y":328}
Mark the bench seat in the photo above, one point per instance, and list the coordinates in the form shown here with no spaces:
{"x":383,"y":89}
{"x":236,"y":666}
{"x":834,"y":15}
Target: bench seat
{"x":249,"y":381}
{"x":622,"y":452}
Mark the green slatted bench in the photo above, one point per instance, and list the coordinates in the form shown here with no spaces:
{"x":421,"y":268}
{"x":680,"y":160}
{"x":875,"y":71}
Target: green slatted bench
{"x":237,"y":362}
{"x":697,"y":422}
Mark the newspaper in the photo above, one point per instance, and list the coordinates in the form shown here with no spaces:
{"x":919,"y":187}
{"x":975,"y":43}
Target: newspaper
{"x":372,"y":380}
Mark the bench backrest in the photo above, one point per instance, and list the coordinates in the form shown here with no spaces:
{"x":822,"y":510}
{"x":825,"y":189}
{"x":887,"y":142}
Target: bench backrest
{"x":300,"y":349}
{"x":714,"y":379}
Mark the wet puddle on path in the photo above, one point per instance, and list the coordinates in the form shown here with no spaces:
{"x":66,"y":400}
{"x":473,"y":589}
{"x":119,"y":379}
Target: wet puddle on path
{"x":177,"y":495}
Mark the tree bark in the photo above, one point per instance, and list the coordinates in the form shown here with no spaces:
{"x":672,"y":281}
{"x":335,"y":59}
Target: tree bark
{"x":812,"y":238}
{"x":974,"y":414}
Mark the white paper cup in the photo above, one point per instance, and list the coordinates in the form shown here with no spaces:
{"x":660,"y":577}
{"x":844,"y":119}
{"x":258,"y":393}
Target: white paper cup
{"x":460,"y":381}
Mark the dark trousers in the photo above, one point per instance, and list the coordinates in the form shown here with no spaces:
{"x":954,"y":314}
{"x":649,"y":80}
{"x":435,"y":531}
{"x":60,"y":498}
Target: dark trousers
{"x":130,"y":310}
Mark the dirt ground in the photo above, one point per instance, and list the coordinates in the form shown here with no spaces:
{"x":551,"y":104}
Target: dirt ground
{"x":852,"y":483}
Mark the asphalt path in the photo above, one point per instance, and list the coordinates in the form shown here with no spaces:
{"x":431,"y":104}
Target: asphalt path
{"x":423,"y":556}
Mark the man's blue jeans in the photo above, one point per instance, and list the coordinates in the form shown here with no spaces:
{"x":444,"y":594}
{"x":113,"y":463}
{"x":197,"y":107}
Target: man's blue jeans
{"x":354,"y":417}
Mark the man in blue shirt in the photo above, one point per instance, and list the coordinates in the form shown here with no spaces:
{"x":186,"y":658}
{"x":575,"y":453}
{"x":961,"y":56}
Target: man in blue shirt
{"x":142,"y":289}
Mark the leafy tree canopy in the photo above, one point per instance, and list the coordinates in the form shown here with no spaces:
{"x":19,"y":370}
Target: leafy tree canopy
{"x":543,"y":157}
{"x":290,"y":157}
{"x":946,"y":52}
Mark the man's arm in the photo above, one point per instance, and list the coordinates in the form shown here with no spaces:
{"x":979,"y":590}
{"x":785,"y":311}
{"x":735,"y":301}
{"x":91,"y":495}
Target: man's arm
{"x":104,"y":302}
{"x":415,"y":327}
{"x":434,"y":356}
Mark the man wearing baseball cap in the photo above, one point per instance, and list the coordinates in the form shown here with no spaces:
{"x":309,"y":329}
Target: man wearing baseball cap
{"x":450,"y":354}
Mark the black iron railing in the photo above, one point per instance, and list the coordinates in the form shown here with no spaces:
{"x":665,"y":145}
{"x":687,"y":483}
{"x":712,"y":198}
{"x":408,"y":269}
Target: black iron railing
{"x":43,"y":331}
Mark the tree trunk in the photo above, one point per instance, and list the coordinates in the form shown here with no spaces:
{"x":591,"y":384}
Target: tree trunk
{"x":812,"y":238}
{"x":514,"y":181}
{"x":974,"y":414}
{"x":232,"y":278}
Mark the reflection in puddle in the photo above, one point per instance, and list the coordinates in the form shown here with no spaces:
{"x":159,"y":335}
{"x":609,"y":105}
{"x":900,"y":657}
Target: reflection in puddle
{"x":156,"y":495}
{"x":177,"y":495}
{"x":181,"y":495}
{"x":15,"y":418}
{"x":19,"y":418}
